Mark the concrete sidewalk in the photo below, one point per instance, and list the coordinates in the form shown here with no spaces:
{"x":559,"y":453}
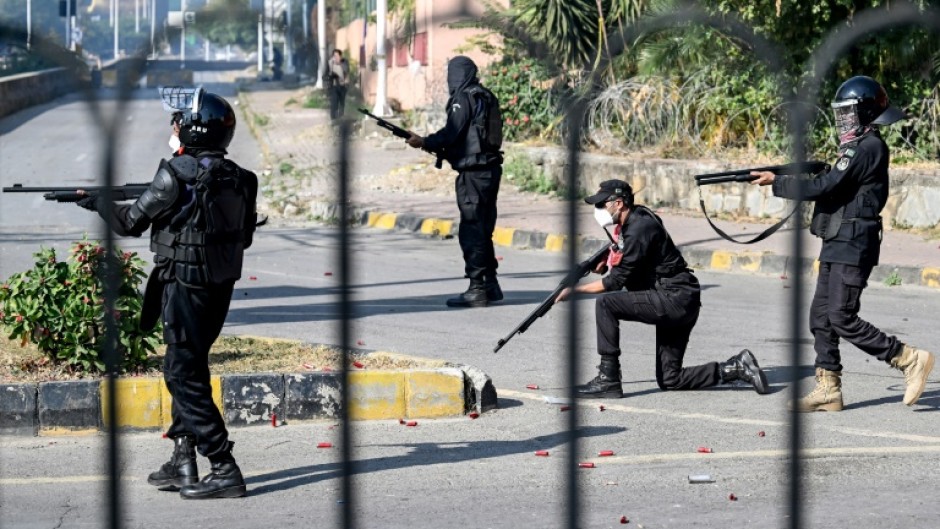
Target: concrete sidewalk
{"x":303,"y":137}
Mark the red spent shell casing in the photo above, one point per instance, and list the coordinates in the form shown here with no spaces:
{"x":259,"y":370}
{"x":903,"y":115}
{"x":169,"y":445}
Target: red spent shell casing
{"x":732,"y":497}
{"x":274,"y":420}
{"x":565,"y":408}
{"x":324,"y":445}
{"x":704,"y":450}
{"x":605,"y":453}
{"x":541,"y":453}
{"x":327,"y":273}
{"x":473,"y":415}
{"x":358,"y":364}
{"x":401,"y":421}
{"x":602,"y":407}
{"x":586,"y":465}
{"x":165,"y":436}
{"x":360,"y":342}
{"x":411,"y":423}
{"x":623,"y":519}
{"x":761,"y":433}
{"x":532,"y":386}
{"x":252,"y":278}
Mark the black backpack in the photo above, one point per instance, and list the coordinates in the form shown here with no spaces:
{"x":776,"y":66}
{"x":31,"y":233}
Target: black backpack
{"x":487,"y":118}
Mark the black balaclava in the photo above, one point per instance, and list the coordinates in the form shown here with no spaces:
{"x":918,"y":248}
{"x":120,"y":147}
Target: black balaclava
{"x":461,"y":72}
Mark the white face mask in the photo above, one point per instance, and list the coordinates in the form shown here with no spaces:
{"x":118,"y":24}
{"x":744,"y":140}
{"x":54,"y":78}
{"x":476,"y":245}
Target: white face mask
{"x":603,"y":217}
{"x":174,"y":143}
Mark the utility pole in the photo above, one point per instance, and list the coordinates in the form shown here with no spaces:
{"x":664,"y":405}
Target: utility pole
{"x":29,"y":23}
{"x":68,"y":24}
{"x":136,"y":16}
{"x":288,"y":37}
{"x":183,"y":36}
{"x":306,"y":22}
{"x":381,"y":105}
{"x":261,"y":39}
{"x":153,"y":29}
{"x":321,"y":41}
{"x":117,"y":25}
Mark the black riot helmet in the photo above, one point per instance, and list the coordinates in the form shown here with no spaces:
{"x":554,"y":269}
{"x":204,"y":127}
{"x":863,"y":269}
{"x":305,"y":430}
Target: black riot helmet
{"x":862,"y":101}
{"x":206,"y":120}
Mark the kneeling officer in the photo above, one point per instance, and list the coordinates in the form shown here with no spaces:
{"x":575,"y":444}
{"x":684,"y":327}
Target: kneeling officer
{"x":650,"y":282}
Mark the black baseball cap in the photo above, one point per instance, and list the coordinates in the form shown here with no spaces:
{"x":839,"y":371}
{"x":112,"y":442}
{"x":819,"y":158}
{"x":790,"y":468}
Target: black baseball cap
{"x":611,"y":189}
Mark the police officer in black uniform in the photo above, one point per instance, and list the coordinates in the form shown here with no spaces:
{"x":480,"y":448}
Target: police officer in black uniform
{"x":470,"y":142}
{"x":200,"y":208}
{"x":650,"y":282}
{"x":847,"y":216}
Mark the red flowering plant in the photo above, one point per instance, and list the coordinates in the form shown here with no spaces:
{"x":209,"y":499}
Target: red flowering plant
{"x":526,"y":98}
{"x":59,"y":306}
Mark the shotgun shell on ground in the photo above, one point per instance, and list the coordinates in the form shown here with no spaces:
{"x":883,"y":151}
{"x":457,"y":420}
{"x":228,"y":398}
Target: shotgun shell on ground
{"x":732,"y":497}
{"x":623,"y":519}
{"x":473,"y":415}
{"x":704,"y":450}
{"x":532,"y":386}
{"x":586,"y":465}
{"x":411,"y":423}
{"x":565,"y":408}
{"x":358,"y":364}
{"x":605,"y":453}
{"x":324,"y":445}
{"x":541,"y":453}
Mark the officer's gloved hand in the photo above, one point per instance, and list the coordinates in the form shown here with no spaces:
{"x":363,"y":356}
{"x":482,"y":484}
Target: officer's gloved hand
{"x":90,"y":203}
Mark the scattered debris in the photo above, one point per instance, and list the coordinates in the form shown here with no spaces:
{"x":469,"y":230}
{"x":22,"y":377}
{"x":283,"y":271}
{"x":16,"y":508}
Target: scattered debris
{"x":541,"y":453}
{"x":473,"y":415}
{"x":532,"y":386}
{"x":401,"y":421}
{"x":360,"y":342}
{"x":252,"y":278}
{"x":565,"y":408}
{"x":556,"y":400}
{"x":324,"y":445}
{"x":732,"y":497}
{"x":704,"y":450}
{"x":327,"y":273}
{"x":623,"y":519}
{"x":602,"y":408}
{"x":605,"y":453}
{"x":411,"y":423}
{"x":165,"y":436}
{"x":611,"y":483}
{"x":587,"y":464}
{"x":701,"y":478}
{"x":358,"y":364}
{"x":761,"y":433}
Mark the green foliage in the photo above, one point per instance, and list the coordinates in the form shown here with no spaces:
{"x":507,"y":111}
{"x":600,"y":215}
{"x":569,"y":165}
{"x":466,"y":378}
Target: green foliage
{"x":520,"y":171}
{"x":228,"y":22}
{"x":893,"y":279}
{"x":261,"y":120}
{"x":286,"y":168}
{"x":59,"y":306}
{"x":525,"y":94}
{"x":316,"y":99}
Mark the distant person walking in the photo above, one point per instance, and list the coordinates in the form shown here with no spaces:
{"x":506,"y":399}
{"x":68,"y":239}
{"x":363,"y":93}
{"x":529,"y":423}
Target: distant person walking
{"x":337,"y":79}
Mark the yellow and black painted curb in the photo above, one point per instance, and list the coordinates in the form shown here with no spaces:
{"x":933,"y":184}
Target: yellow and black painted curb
{"x":748,"y":262}
{"x":80,"y":406}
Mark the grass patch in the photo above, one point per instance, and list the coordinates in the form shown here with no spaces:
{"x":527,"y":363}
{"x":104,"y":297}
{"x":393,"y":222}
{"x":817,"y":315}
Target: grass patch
{"x":291,"y":102}
{"x":316,"y":99}
{"x":286,"y":168}
{"x":527,"y":176}
{"x":893,"y":279}
{"x":261,"y":120}
{"x":229,"y":354}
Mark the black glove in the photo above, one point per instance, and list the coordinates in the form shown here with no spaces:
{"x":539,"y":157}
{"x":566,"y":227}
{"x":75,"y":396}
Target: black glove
{"x":90,"y":203}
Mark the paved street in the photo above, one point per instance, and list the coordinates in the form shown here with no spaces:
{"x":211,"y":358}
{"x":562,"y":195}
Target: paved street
{"x":873,"y":465}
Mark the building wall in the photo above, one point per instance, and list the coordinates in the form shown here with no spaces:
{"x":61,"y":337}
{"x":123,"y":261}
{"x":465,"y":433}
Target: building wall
{"x":420,"y":83}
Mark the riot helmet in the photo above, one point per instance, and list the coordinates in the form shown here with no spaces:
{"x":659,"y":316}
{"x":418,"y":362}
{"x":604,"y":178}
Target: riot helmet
{"x":206,"y":120}
{"x":862,"y":101}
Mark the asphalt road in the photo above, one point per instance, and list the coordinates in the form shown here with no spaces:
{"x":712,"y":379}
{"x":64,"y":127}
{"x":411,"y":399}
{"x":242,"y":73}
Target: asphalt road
{"x":873,"y":465}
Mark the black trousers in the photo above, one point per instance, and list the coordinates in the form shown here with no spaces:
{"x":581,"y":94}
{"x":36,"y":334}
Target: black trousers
{"x":834,"y":315}
{"x":673,"y":308}
{"x":337,"y":101}
{"x":476,"y":198}
{"x":192,"y":320}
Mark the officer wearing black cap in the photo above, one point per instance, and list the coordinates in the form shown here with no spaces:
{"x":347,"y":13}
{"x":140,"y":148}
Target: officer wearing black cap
{"x":649,"y":282}
{"x":847,"y":217}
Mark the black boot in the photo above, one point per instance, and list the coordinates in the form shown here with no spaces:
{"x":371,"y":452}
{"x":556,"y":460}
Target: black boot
{"x":493,"y":292}
{"x":181,"y":469}
{"x":223,"y":481}
{"x":743,"y":366}
{"x":475,"y":296}
{"x":606,"y":385}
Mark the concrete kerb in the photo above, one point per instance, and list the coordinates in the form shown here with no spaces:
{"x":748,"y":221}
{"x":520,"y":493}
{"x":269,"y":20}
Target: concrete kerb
{"x":746,"y":262}
{"x":436,"y":389}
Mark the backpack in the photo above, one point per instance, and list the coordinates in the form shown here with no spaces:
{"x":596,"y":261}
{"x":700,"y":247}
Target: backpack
{"x":487,"y":118}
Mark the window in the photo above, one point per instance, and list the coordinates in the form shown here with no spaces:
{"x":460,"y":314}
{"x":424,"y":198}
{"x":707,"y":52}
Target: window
{"x":421,"y":48}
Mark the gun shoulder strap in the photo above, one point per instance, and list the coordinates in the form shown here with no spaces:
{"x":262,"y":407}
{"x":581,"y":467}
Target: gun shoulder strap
{"x":761,"y":236}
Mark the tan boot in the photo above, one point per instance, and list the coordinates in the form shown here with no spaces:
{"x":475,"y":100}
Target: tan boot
{"x":826,"y":396}
{"x":916,"y":365}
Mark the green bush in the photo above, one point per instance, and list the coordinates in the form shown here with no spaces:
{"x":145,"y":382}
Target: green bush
{"x":316,"y":99}
{"x":527,"y":176}
{"x":525,"y":96}
{"x":59,"y":307}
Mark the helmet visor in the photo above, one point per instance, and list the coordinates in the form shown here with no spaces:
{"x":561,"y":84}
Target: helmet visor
{"x":180,"y":99}
{"x":846,"y":114}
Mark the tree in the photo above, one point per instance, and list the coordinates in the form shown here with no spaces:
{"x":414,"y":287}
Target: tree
{"x":228,"y":22}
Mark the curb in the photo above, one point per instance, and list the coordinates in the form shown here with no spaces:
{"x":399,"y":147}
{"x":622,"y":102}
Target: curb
{"x":80,"y":406}
{"x":717,"y":260}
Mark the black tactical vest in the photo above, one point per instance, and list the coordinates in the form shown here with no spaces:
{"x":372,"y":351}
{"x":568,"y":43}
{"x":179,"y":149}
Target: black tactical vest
{"x":205,"y":239}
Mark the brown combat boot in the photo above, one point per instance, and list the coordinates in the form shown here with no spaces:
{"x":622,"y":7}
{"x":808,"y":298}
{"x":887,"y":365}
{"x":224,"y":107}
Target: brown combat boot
{"x":826,"y":396}
{"x":916,"y":365}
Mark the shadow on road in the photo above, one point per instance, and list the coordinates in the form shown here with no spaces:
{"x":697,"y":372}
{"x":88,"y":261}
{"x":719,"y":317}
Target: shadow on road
{"x":422,"y":454}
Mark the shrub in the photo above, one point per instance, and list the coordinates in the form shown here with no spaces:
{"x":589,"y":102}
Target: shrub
{"x":527,"y":176}
{"x":526,"y":98}
{"x":59,"y":307}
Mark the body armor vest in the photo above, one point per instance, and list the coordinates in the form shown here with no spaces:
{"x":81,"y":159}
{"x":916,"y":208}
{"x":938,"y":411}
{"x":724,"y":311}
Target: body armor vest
{"x":205,"y":239}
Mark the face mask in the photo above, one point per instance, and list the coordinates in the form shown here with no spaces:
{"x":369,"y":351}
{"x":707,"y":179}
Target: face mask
{"x":174,"y":143}
{"x":603,"y":217}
